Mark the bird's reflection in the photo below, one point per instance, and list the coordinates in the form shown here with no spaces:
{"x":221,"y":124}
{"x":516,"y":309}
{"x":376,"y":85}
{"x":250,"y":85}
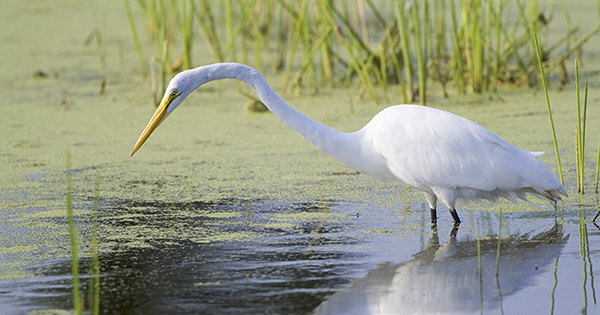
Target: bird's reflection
{"x":451,"y":278}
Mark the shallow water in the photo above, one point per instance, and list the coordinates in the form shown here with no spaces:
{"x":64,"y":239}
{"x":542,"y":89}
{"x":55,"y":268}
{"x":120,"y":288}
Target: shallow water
{"x":228,"y":212}
{"x":328,"y":257}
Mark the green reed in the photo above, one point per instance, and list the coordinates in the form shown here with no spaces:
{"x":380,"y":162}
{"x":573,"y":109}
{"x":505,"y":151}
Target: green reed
{"x":419,"y":50}
{"x":301,"y":13}
{"x":597,"y":169}
{"x":99,"y":16}
{"x":497,"y":34}
{"x":73,"y":244}
{"x":543,"y":76}
{"x":165,"y":21}
{"x":187,"y":24}
{"x":333,"y":42}
{"x":457,"y":53}
{"x":405,"y":50}
{"x":94,"y":269}
{"x":206,"y":19}
{"x":136,"y":41}
{"x":580,"y":131}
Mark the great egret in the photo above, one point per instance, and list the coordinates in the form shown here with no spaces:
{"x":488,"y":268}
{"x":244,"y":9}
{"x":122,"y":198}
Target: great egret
{"x":441,"y":154}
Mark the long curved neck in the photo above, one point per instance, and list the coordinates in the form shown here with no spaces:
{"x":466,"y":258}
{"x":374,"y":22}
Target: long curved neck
{"x":341,"y":146}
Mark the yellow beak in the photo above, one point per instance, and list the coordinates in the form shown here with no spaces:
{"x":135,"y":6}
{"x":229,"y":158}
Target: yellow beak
{"x":159,"y":116}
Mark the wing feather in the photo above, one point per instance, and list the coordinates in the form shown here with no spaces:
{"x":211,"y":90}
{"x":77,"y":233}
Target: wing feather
{"x":426,"y":148}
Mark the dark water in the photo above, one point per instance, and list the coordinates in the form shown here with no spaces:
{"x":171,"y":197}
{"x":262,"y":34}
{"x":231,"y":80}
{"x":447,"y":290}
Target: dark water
{"x":265,"y":256}
{"x":354,"y":259}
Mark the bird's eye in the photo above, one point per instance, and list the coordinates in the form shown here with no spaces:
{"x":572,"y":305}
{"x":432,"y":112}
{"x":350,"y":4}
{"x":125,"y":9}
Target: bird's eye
{"x":172,"y":96}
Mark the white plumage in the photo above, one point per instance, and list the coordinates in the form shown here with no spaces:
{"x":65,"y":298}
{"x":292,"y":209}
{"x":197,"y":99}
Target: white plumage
{"x":441,"y":154}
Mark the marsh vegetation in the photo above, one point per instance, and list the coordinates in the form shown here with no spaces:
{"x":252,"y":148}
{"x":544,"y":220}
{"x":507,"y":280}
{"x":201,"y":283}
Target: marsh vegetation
{"x":466,"y":46}
{"x":233,"y":212}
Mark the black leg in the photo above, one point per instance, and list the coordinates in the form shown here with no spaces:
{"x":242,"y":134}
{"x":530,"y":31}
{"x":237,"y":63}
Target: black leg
{"x":433,"y":216}
{"x":454,"y":231}
{"x":455,"y":216}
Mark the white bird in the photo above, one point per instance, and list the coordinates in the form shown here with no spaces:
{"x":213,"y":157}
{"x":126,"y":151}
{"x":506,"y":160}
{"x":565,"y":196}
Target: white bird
{"x":441,"y":154}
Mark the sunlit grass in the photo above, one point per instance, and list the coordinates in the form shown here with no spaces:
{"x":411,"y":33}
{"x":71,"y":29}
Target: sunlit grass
{"x":98,"y":10}
{"x":580,"y":134}
{"x":543,"y":76}
{"x":73,"y":243}
{"x":136,"y":41}
{"x":466,"y":44}
{"x":94,"y":269}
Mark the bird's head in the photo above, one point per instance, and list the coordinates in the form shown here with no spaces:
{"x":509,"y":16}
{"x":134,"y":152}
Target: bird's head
{"x":180,"y":87}
{"x":176,"y":92}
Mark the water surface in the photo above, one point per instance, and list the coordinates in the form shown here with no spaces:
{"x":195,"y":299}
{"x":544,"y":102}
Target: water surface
{"x":228,"y":212}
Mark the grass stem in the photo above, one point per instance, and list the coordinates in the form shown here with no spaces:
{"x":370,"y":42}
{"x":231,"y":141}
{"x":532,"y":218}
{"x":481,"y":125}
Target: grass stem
{"x":94,"y":271}
{"x":419,"y":51}
{"x":73,"y":243}
{"x":539,"y":55}
{"x":476,"y":50}
{"x":136,"y":41}
{"x":578,"y":142}
{"x":597,"y":168}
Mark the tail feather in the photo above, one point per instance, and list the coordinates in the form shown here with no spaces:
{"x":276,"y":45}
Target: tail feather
{"x":553,"y":195}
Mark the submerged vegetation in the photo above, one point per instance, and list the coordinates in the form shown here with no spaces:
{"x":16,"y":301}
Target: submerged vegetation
{"x":475,"y":46}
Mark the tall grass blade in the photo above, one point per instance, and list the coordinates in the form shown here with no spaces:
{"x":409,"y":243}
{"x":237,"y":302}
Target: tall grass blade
{"x":406,"y":52}
{"x":258,"y":36}
{"x":308,"y":55}
{"x":575,"y":46}
{"x":98,"y":11}
{"x":397,"y":68}
{"x":154,"y":81}
{"x":498,"y":27}
{"x":207,"y":24}
{"x":475,"y":50}
{"x":229,"y":27}
{"x":539,"y":55}
{"x":315,"y":48}
{"x":136,"y":41}
{"x":458,"y":73}
{"x":578,"y":159}
{"x":359,"y":66}
{"x":94,"y":272}
{"x":581,"y":125}
{"x":578,"y":141}
{"x":597,"y":169}
{"x":418,"y":49}
{"x":73,"y":243}
{"x":187,"y":24}
{"x":165,"y":68}
{"x":295,"y":38}
{"x":585,"y":95}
